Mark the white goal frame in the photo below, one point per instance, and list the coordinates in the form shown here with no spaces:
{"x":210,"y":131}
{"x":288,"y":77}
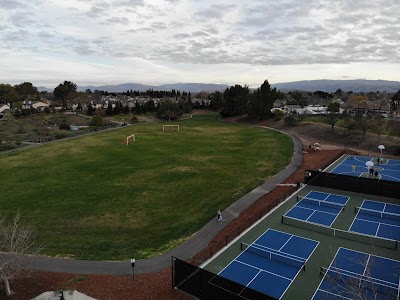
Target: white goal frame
{"x":130,"y":137}
{"x":163,"y":128}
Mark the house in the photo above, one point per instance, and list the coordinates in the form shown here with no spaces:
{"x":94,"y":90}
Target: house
{"x":40,"y":105}
{"x":4,"y":108}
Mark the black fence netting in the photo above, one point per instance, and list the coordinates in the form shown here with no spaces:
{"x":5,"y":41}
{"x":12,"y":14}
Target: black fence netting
{"x":206,"y":285}
{"x":362,"y":185}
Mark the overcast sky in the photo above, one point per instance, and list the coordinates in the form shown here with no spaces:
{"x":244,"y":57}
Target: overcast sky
{"x":164,"y":41}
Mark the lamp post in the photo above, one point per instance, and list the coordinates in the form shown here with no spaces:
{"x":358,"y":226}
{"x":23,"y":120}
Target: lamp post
{"x":381,"y":147}
{"x":133,"y":268}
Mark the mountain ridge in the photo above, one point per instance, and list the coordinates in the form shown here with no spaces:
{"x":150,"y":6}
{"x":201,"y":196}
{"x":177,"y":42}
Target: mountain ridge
{"x":326,"y":85}
{"x":330,"y":86}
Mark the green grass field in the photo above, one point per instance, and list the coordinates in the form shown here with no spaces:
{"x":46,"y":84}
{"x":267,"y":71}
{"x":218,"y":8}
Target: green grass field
{"x":94,"y":198}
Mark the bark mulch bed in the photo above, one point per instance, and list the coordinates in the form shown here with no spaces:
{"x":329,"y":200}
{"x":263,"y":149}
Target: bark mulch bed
{"x":158,"y":285}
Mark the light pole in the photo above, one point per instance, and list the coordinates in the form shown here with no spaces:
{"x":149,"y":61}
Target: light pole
{"x":133,"y":268}
{"x":381,"y":147}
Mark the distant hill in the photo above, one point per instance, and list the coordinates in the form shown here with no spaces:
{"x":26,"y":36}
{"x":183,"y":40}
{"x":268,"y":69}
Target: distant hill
{"x":326,"y":85}
{"x":187,"y":87}
{"x":357,"y":85}
{"x":44,"y":89}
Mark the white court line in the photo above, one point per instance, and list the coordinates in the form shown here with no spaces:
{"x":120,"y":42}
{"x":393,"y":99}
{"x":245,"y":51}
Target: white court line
{"x":250,"y":281}
{"x":377,"y":229}
{"x":313,"y":209}
{"x":285,"y":243}
{"x":370,"y":221}
{"x":274,"y":250}
{"x":269,"y":272}
{"x":385,"y":258}
{"x":366,"y":265}
{"x":349,"y":273}
{"x":340,"y":296}
{"x":375,"y":201}
{"x":326,"y":273}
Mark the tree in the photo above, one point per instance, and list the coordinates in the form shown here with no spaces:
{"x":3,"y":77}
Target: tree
{"x":216,"y":100}
{"x":96,"y":121}
{"x":261,"y":102}
{"x":8,"y":93}
{"x":235,"y":101}
{"x":27,"y":91}
{"x":395,"y":100}
{"x":16,"y":240}
{"x":168,"y":109}
{"x":379,"y":126}
{"x":334,"y":107}
{"x":109,"y":110}
{"x":332,"y":119}
{"x":90,"y":110}
{"x":364,"y":124}
{"x":358,"y":101}
{"x":63,"y":90}
{"x":349,"y":123}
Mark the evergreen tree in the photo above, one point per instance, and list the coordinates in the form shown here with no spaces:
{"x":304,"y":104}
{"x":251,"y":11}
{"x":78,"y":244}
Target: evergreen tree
{"x":261,"y":102}
{"x":235,"y":101}
{"x":109,"y":110}
{"x":90,"y":110}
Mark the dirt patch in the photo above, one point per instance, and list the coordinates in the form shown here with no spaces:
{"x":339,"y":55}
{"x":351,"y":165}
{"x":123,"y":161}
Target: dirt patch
{"x":339,"y":138}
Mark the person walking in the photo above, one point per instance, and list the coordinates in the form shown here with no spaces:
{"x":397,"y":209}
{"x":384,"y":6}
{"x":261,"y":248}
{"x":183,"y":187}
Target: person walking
{"x":371,"y":171}
{"x":219,"y":217}
{"x":353,"y":168}
{"x":376,"y":174}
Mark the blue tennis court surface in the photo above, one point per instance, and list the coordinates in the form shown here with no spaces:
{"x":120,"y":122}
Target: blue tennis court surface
{"x":318,"y":207}
{"x":271,"y":263}
{"x":357,"y":275}
{"x":389,"y":169}
{"x":378,"y":219}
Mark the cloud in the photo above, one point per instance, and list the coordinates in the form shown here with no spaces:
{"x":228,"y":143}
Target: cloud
{"x":257,"y":34}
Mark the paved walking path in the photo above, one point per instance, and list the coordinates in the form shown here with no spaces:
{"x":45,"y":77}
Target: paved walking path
{"x":195,"y":244}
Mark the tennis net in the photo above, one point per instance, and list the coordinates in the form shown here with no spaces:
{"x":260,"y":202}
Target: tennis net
{"x":356,"y":283}
{"x":274,"y":255}
{"x":320,"y":202}
{"x":377,"y":213}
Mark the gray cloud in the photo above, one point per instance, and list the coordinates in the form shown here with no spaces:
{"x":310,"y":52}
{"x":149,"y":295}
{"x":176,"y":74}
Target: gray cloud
{"x":258,"y":33}
{"x":10,"y":4}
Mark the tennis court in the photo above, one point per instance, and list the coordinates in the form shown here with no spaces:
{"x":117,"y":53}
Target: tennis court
{"x":318,"y":207}
{"x":358,"y":275}
{"x":388,"y":169}
{"x":271,"y":263}
{"x":377,"y":219}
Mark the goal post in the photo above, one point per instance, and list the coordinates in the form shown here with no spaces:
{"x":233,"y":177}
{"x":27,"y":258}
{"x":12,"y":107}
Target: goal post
{"x":130,"y":137}
{"x":170,"y":126}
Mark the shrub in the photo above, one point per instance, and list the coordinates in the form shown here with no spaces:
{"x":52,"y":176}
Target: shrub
{"x":64,"y":126}
{"x":290,"y":120}
{"x":96,"y":121}
{"x":60,"y":135}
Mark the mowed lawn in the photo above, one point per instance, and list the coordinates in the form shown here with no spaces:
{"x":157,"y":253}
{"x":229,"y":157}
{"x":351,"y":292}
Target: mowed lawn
{"x":94,"y":198}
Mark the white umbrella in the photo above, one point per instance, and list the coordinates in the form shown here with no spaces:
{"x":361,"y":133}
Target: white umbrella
{"x":381,"y":147}
{"x":369,"y":163}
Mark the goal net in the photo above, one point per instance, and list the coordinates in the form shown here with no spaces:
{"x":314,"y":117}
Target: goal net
{"x":172,"y":127}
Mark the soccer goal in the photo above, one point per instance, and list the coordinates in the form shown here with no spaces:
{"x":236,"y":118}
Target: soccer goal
{"x":170,"y":126}
{"x":131,"y":137}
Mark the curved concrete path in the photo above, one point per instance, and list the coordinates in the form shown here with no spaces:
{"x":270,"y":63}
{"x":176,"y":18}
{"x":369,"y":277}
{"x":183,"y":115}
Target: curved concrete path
{"x":188,"y":249}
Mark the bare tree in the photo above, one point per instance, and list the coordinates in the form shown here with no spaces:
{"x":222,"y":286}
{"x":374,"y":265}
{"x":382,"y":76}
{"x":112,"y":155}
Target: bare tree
{"x":350,"y":285}
{"x":16,"y":240}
